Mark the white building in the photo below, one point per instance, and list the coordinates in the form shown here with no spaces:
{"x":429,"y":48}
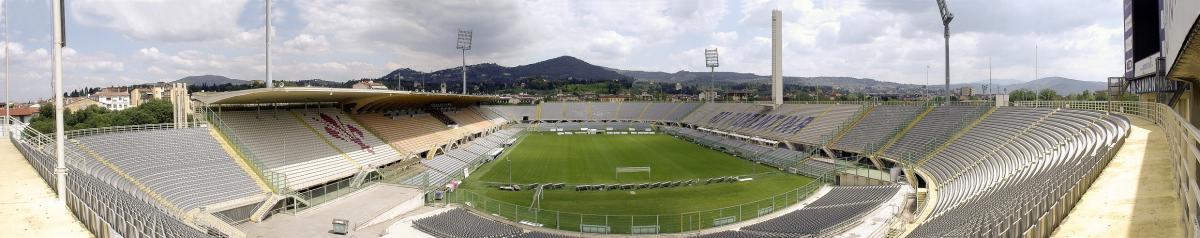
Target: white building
{"x":113,"y":98}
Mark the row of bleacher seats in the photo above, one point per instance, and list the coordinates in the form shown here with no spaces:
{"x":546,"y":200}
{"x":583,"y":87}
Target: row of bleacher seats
{"x":934,"y":129}
{"x":460,"y":223}
{"x":1004,"y":173}
{"x":799,"y":123}
{"x":875,"y":129}
{"x":603,"y":126}
{"x":596,"y":111}
{"x":777,"y":157}
{"x":282,"y":143}
{"x":452,"y":162}
{"x":350,"y":137}
{"x":187,"y":167}
{"x":422,"y":133}
{"x":839,"y":207}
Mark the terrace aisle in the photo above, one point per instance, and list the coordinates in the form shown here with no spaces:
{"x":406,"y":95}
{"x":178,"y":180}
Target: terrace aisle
{"x":28,"y":208}
{"x":1135,"y":196}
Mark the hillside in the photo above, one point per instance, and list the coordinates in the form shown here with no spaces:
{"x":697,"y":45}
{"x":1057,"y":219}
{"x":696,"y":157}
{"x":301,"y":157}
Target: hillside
{"x":210,"y":80}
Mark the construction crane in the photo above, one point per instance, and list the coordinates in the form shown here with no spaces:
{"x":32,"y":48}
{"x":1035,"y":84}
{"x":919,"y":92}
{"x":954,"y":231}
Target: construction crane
{"x":946,"y":18}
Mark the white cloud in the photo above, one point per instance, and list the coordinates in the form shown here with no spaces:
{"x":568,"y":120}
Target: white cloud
{"x":306,"y":44}
{"x":196,"y":20}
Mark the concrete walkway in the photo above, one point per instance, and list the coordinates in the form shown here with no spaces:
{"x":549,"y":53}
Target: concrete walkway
{"x":1135,"y":196}
{"x":28,"y":208}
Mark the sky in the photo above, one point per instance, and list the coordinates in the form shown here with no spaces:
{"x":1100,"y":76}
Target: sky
{"x":123,"y":42}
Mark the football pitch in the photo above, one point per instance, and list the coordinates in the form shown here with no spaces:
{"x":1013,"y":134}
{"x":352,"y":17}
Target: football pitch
{"x":593,"y":159}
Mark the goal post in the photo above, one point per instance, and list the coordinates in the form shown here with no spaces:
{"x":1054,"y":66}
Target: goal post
{"x":621,"y":170}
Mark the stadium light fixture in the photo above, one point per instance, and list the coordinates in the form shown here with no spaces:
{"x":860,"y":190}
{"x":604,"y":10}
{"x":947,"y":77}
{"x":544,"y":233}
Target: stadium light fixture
{"x":710,"y":61}
{"x":946,"y":18}
{"x":464,"y":44}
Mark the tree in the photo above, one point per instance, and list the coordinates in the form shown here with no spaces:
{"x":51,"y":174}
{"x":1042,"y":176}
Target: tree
{"x":1048,"y":94}
{"x":1022,"y":95}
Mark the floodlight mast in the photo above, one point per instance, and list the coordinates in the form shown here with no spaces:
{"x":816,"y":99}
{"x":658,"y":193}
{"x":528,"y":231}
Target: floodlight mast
{"x":7,"y":80}
{"x":464,"y":44}
{"x":710,"y":60}
{"x":946,"y":18}
{"x":60,"y":170}
{"x":267,"y":37}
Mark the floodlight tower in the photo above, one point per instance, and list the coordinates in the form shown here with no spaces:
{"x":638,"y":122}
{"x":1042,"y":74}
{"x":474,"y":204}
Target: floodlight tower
{"x":710,"y":61}
{"x":946,"y":18}
{"x":267,"y":36}
{"x":464,"y":44}
{"x":7,"y":80}
{"x":60,"y":170}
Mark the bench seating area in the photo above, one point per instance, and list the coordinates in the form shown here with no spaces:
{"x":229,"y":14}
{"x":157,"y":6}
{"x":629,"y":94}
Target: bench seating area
{"x":451,"y":163}
{"x":283,"y":144}
{"x":350,"y":137}
{"x":472,"y":120}
{"x":801,"y":123}
{"x":776,"y":157}
{"x":412,"y":134}
{"x":1016,"y":160}
{"x":840,"y":207}
{"x":876,"y":128}
{"x":597,"y":111}
{"x":187,"y":167}
{"x":460,"y":223}
{"x":515,"y":113}
{"x":933,"y":130}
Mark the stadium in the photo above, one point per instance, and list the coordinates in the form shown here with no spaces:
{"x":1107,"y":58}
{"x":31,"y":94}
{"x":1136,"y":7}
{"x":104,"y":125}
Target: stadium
{"x":348,"y":162}
{"x":285,"y":161}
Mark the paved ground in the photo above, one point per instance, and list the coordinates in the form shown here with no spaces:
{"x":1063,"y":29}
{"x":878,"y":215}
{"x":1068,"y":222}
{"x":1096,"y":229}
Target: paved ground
{"x":28,"y":208}
{"x":357,"y":207}
{"x":1134,"y":196}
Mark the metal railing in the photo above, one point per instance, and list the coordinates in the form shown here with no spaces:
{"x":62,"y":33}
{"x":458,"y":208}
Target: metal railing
{"x":634,"y":224}
{"x":276,"y":181}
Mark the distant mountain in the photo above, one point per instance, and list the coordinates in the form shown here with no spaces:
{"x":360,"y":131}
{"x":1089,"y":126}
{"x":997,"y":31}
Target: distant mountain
{"x":210,"y":80}
{"x":563,"y":68}
{"x":1062,"y":85}
{"x":859,"y":84}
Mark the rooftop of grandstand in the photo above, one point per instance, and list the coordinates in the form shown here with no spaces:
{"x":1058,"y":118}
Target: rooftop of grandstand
{"x":362,"y":98}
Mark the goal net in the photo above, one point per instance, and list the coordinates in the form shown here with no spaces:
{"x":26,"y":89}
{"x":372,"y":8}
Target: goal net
{"x":621,"y":170}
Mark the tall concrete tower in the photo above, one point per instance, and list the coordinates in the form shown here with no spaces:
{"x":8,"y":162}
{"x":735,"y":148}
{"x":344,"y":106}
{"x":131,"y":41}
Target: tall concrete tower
{"x":777,"y":57}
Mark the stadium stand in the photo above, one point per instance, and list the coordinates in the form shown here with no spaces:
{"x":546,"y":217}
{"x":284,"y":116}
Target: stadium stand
{"x":827,"y":123}
{"x":459,"y":223}
{"x":631,"y":111}
{"x":984,"y":182}
{"x":603,"y":111}
{"x":840,"y":206}
{"x":414,"y":134}
{"x":301,"y":156}
{"x":514,"y":113}
{"x":876,"y":127}
{"x":350,"y":137}
{"x":443,"y":167}
{"x":934,"y":129}
{"x":185,"y":166}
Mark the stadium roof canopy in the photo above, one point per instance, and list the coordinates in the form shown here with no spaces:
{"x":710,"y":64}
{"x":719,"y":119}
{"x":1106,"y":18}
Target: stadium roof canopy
{"x":360,"y":99}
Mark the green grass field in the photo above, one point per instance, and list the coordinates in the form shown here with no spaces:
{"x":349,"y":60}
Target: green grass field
{"x":592,"y":159}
